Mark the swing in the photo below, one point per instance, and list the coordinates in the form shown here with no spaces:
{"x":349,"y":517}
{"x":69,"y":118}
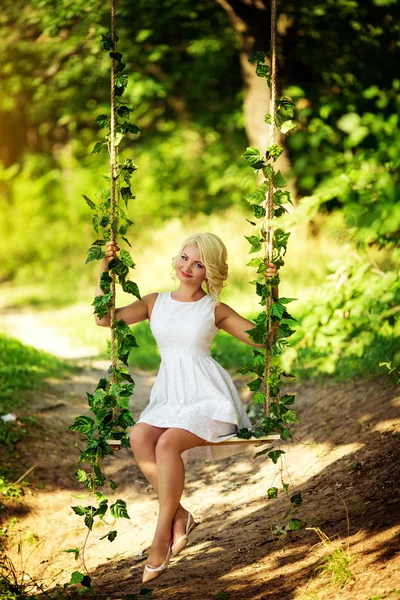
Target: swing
{"x":267,"y":229}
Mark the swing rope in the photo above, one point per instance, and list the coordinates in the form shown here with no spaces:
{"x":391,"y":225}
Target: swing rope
{"x":113,"y":168}
{"x":269,"y":206}
{"x":266,"y":226}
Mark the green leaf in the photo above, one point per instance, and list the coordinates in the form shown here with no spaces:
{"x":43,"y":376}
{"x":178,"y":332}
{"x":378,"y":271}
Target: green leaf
{"x":257,"y":57}
{"x":126,"y":258}
{"x":119,"y":510}
{"x":81,"y":475}
{"x":288,"y":399}
{"x":287,"y":126}
{"x":89,"y":521}
{"x":97,"y":148}
{"x":275,"y":454}
{"x":258,"y":195}
{"x":78,"y":510}
{"x":259,"y":398}
{"x":262,"y":70}
{"x":111,"y":535}
{"x":89,"y":202}
{"x":252,"y":156}
{"x":255,"y":242}
{"x":94,"y":253}
{"x":112,"y":484}
{"x":259,"y":211}
{"x":223,"y":596}
{"x":102,"y":121}
{"x":279,"y":180}
{"x":274,"y":151}
{"x":105,"y":282}
{"x":277,"y":310}
{"x":75,"y":551}
{"x":290,"y":417}
{"x":296,"y":499}
{"x":286,"y":434}
{"x":272,"y":493}
{"x":255,"y":384}
{"x":84,"y":425}
{"x":268,"y":118}
{"x":295,"y":524}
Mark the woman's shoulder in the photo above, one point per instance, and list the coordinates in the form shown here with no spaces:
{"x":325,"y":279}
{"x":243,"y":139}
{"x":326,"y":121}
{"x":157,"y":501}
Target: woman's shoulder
{"x":222,"y":311}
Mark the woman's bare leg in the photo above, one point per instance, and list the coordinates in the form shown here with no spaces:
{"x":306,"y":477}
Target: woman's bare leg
{"x":171,"y":478}
{"x":143,"y":440}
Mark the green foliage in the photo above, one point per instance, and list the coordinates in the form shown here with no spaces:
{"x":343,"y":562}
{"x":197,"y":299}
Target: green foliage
{"x":24,"y":368}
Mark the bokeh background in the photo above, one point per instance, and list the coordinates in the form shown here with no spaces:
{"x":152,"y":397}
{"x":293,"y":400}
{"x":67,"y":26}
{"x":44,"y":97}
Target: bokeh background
{"x":199,"y":104}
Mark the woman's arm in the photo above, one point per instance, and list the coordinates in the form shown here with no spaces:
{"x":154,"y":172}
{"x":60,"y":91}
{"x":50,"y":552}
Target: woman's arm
{"x":230,"y":321}
{"x":133,"y":313}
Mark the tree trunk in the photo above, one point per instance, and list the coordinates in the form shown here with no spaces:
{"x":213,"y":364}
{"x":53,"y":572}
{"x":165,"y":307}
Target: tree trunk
{"x":251,"y":20}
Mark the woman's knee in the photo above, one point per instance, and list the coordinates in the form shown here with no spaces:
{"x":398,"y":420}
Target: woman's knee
{"x":167,"y":444}
{"x":141,"y":437}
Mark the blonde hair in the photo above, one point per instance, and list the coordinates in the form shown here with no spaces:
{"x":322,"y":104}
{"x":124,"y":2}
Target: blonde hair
{"x":214,"y":256}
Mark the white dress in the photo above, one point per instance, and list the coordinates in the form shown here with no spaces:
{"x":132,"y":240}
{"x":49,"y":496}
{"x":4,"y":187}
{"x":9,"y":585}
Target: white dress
{"x":192,"y":391}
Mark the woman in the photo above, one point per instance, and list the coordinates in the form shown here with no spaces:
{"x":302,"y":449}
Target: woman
{"x":193,"y":401}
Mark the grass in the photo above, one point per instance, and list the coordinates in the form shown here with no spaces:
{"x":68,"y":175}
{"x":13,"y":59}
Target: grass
{"x":334,"y":567}
{"x":24,"y":368}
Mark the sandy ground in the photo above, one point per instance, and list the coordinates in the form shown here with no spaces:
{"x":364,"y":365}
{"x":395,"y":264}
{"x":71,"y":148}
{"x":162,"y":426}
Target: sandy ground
{"x":345,"y":461}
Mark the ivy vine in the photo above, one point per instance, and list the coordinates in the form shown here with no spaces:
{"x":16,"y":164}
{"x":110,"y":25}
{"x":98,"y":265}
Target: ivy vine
{"x":280,"y":415}
{"x":109,"y":402}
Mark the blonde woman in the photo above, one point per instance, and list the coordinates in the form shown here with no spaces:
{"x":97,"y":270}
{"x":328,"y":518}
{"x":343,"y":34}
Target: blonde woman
{"x":193,"y":401}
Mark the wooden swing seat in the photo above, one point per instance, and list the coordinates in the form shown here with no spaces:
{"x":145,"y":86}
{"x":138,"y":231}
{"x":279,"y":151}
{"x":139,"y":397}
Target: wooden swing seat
{"x":116,"y":444}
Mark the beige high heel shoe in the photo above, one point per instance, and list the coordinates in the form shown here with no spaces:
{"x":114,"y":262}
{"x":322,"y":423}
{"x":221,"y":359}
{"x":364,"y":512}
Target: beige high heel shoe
{"x":184,"y":539}
{"x":151,"y":573}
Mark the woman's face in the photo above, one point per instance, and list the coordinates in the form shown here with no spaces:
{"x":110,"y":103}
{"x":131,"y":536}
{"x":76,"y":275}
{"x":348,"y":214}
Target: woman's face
{"x":189,"y":267}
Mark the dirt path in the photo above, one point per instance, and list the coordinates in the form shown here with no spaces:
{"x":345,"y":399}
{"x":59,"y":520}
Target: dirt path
{"x":345,"y":459}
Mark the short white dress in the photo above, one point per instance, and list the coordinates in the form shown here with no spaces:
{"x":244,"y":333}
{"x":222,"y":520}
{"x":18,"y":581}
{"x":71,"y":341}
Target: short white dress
{"x":192,"y":391}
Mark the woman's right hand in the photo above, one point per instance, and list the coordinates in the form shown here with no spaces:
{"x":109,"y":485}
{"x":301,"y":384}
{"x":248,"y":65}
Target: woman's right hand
{"x":110,"y":250}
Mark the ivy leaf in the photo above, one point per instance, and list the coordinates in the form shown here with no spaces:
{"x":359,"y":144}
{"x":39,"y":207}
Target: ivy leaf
{"x":78,"y":510}
{"x":81,"y":475}
{"x":85,"y":425}
{"x":277,"y":310}
{"x":288,"y":399}
{"x":272,"y":493}
{"x":89,"y":202}
{"x":102,"y":121}
{"x":262,"y":70}
{"x":119,"y":510}
{"x":279,"y":180}
{"x":268,"y":118}
{"x":97,"y":147}
{"x":94,"y":253}
{"x":259,"y":211}
{"x":126,"y":193}
{"x":287,"y":126}
{"x":252,"y":156}
{"x":78,"y":577}
{"x":274,"y":151}
{"x":258,"y":195}
{"x":89,"y":520}
{"x":127,"y":259}
{"x":259,"y":398}
{"x":75,"y":551}
{"x":255,"y":242}
{"x":130,"y":128}
{"x":295,"y":524}
{"x":255,"y":384}
{"x":296,"y":499}
{"x":290,"y":417}
{"x":111,"y":535}
{"x":274,"y":455}
{"x":112,"y":484}
{"x":257,"y":57}
{"x":105,"y":282}
{"x":286,"y":434}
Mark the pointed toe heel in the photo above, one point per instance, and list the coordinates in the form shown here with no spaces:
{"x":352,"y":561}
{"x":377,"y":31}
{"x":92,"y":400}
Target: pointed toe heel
{"x":151,"y":573}
{"x":184,"y":539}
